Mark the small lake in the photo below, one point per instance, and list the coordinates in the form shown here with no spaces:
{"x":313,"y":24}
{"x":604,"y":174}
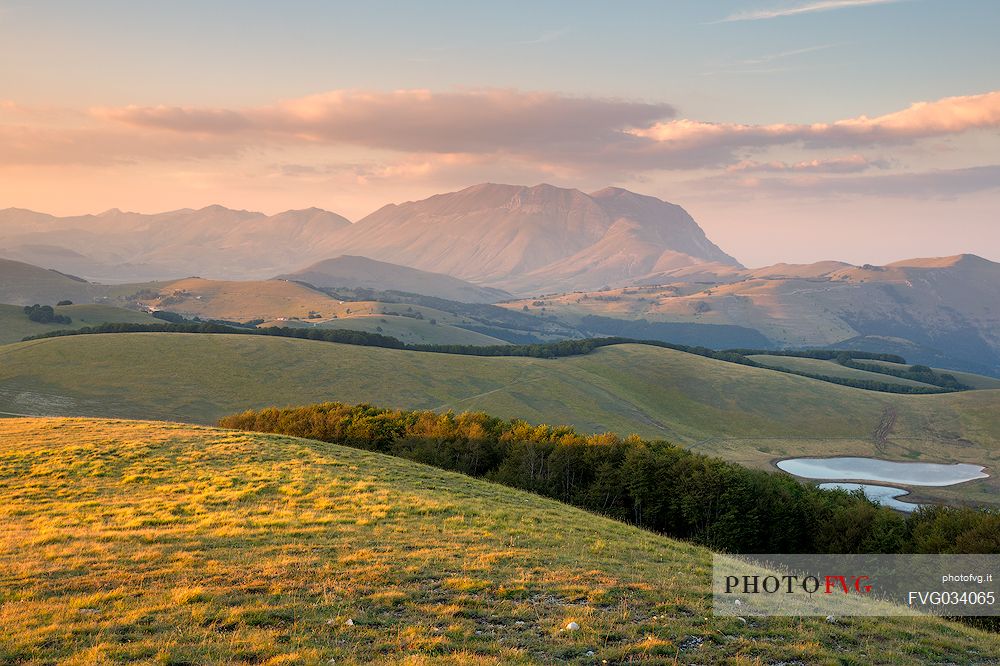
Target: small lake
{"x":884,"y":495}
{"x":873,"y":469}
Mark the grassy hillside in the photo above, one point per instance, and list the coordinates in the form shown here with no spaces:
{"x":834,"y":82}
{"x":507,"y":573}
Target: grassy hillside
{"x":750,"y":415}
{"x":833,"y":369}
{"x":240,"y":301}
{"x":163,"y":543}
{"x":283,"y":303}
{"x":15,"y":325}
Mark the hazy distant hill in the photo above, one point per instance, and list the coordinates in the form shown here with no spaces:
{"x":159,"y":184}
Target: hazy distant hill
{"x":118,"y":246}
{"x":361,"y":272}
{"x":530,"y":239}
{"x":937,"y":311}
{"x":24,"y":284}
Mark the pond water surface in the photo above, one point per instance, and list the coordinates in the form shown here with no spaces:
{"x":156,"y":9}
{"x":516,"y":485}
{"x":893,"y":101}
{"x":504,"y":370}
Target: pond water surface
{"x":884,"y":495}
{"x":874,"y":469}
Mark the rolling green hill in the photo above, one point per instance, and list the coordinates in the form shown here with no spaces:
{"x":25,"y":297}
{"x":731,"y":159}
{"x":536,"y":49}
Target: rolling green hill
{"x":750,"y":415}
{"x":169,"y":544}
{"x":15,"y":325}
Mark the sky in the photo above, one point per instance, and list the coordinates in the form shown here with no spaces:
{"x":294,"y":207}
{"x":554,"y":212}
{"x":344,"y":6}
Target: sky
{"x":792,"y":130}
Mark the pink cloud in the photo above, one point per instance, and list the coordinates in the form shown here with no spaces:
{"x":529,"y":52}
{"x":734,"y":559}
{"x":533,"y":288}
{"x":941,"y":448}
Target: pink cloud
{"x":419,"y":134}
{"x":951,"y":115}
{"x":415,"y":120}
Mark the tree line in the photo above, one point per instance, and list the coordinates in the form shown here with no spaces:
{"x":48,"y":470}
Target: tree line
{"x":652,"y":484}
{"x":918,"y":373}
{"x":325,"y":335}
{"x":840,"y":356}
{"x":855,"y":359}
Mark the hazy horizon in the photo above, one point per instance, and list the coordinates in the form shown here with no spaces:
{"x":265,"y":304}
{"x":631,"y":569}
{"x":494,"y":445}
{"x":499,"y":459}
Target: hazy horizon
{"x":995,"y":258}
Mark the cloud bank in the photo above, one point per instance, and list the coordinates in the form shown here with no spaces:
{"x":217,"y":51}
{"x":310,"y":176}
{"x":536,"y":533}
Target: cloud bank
{"x":546,"y":128}
{"x":469,"y":135}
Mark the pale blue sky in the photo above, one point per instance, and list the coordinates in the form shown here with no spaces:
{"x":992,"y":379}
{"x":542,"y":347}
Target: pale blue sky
{"x":870,"y":59}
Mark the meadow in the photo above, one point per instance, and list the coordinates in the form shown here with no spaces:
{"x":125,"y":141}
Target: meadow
{"x":745,"y":414}
{"x":159,"y":543}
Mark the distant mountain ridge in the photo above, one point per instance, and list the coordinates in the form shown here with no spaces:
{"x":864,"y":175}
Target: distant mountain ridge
{"x":117,"y":246}
{"x":511,"y":237}
{"x":930,"y":310}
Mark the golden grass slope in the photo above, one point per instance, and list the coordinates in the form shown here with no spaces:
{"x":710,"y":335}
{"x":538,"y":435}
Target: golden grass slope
{"x":153,"y":543}
{"x":241,"y":301}
{"x":750,"y":415}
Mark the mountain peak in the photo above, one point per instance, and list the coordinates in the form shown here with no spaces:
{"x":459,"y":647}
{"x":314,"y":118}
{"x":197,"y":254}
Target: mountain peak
{"x":618,"y":192}
{"x":533,"y":237}
{"x":218,"y":208}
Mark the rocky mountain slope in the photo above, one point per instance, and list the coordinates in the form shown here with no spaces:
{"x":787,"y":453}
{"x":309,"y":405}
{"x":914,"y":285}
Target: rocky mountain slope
{"x":531,"y":239}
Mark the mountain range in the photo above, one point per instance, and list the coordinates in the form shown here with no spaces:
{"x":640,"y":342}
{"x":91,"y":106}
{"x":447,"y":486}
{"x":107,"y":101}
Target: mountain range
{"x":520,"y":239}
{"x":933,"y":310}
{"x":117,"y":246}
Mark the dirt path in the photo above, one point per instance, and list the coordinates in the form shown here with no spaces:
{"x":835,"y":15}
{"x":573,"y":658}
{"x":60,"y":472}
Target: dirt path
{"x":884,"y":428}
